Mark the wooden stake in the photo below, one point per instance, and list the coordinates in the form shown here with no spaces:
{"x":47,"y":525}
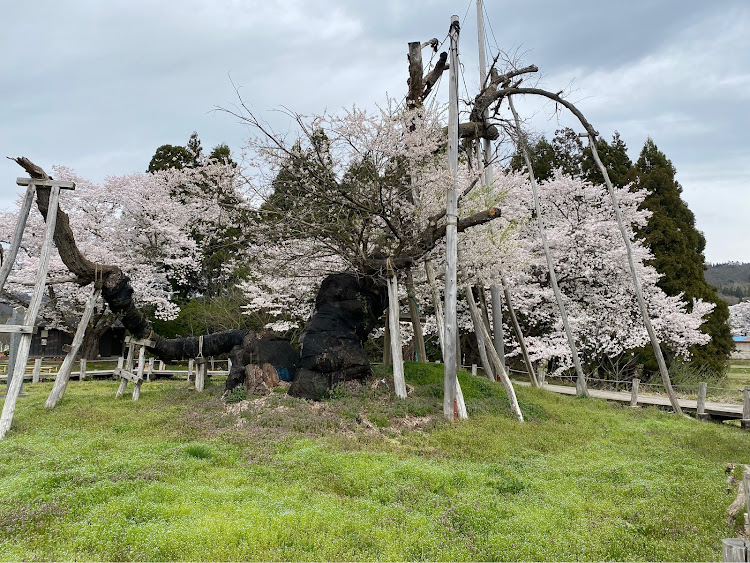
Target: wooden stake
{"x":745,"y":422}
{"x":82,"y":370}
{"x":581,"y":388}
{"x":63,"y":374}
{"x":634,"y":392}
{"x":700,"y":411}
{"x":519,"y":335}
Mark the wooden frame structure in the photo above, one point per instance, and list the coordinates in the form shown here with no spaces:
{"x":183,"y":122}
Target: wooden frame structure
{"x":28,"y":328}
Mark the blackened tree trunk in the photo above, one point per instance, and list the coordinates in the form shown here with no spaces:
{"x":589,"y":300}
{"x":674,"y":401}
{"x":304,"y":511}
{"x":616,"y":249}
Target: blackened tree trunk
{"x":347,"y":308}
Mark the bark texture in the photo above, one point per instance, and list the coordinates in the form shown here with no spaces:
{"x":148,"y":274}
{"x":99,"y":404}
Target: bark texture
{"x":347,"y":308}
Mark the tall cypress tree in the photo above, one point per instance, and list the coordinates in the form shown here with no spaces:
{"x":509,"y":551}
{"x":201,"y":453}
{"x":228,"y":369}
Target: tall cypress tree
{"x":678,"y":247}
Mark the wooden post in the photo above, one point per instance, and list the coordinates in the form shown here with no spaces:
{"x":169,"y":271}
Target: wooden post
{"x":745,"y":422}
{"x":190,"y":370}
{"x":200,"y":374}
{"x":733,"y":550}
{"x":636,"y":281}
{"x":634,"y":392}
{"x":498,"y":336}
{"x":581,"y":388}
{"x":451,"y":355}
{"x":82,"y":370}
{"x":139,"y":373}
{"x":128,"y":367}
{"x":700,"y":412}
{"x":519,"y":335}
{"x":505,"y":380}
{"x":63,"y":374}
{"x":438,"y":304}
{"x":14,"y":387}
{"x":16,"y":318}
{"x":161,"y":365}
{"x":479,"y":331}
{"x":393,"y":319}
{"x":387,"y":356}
{"x":746,"y":488}
{"x":150,"y":371}
{"x":419,"y":347}
{"x":37,"y":370}
{"x":473,"y":369}
{"x":229,"y":366}
{"x":212,"y":363}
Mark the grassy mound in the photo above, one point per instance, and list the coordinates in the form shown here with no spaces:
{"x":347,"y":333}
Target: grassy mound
{"x":184,"y":476}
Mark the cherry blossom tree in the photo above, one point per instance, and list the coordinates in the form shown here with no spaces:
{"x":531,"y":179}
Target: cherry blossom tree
{"x":133,"y":221}
{"x":739,"y":318}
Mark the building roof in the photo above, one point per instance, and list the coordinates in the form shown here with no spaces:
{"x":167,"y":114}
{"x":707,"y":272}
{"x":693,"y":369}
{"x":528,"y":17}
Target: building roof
{"x":741,"y":338}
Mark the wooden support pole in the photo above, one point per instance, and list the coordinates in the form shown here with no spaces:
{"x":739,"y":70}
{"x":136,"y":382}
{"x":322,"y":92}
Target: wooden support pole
{"x":150,"y":371}
{"x":504,"y":379}
{"x":387,"y":356}
{"x":128,"y":368}
{"x":519,"y":335}
{"x":498,"y":335}
{"x":14,"y":387}
{"x":419,"y":347}
{"x":581,"y":388}
{"x":82,"y":370}
{"x":37,"y":370}
{"x":473,"y":369}
{"x":437,"y":304}
{"x":15,"y":340}
{"x":451,"y":407}
{"x":190,"y":369}
{"x":636,"y":281}
{"x":634,"y":392}
{"x":733,"y":550}
{"x":139,"y":373}
{"x":479,"y":332}
{"x":399,"y":383}
{"x":745,"y":422}
{"x":63,"y":374}
{"x":9,"y":257}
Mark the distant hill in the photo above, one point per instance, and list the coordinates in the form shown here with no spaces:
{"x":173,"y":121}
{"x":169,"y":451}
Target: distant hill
{"x":732,"y":280}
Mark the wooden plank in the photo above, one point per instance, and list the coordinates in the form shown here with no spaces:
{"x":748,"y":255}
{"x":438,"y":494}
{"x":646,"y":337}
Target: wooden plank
{"x":140,"y":342}
{"x":63,"y":374}
{"x":60,"y":184}
{"x":9,"y":407}
{"x":126,"y":375}
{"x":141,"y":366}
{"x":19,"y":329}
{"x":15,"y":243}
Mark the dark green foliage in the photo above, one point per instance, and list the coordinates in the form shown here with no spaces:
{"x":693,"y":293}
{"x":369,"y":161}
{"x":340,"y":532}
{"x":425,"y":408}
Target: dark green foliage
{"x":170,"y":156}
{"x":678,"y":247}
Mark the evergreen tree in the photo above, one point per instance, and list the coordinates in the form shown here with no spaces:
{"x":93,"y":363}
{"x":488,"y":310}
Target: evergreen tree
{"x":170,"y":156}
{"x":678,"y":247}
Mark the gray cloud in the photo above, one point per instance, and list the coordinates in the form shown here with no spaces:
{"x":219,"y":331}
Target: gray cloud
{"x":99,"y":85}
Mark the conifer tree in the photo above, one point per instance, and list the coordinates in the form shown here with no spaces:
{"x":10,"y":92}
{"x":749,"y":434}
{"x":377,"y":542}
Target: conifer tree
{"x":678,"y":247}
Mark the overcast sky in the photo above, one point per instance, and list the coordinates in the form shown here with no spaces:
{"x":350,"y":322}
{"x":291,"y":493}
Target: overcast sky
{"x":98,"y":85}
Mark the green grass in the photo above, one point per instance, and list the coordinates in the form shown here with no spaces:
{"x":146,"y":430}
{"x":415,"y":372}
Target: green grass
{"x":183,"y":476}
